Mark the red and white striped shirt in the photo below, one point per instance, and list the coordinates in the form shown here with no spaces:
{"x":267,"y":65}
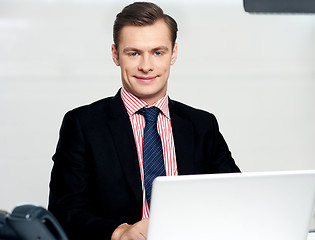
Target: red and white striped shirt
{"x":133,"y":104}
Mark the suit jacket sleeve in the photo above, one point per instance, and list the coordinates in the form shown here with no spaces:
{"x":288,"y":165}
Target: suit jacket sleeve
{"x":95,"y":181}
{"x":69,"y":187}
{"x":222,"y":157}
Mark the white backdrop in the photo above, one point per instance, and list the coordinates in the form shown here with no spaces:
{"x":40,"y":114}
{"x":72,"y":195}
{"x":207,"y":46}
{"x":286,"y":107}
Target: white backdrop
{"x":254,"y":72}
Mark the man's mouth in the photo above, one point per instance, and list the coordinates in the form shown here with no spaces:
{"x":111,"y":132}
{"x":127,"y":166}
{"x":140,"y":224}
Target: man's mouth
{"x":146,"y":78}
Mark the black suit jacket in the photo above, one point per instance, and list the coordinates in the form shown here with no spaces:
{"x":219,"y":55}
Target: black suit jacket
{"x":95,"y":182}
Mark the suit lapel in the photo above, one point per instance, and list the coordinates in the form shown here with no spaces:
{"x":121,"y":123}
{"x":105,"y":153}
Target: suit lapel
{"x":122,"y":133}
{"x":183,"y":140}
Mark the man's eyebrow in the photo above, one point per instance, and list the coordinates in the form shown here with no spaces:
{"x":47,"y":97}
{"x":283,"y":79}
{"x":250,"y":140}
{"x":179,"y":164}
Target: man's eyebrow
{"x":164,"y":48}
{"x":131,"y":49}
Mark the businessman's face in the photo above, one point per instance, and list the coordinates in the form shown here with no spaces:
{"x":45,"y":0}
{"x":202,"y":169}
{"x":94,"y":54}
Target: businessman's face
{"x":145,"y":55}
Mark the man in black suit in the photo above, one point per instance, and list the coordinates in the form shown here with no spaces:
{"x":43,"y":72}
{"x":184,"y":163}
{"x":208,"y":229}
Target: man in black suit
{"x":97,"y":184}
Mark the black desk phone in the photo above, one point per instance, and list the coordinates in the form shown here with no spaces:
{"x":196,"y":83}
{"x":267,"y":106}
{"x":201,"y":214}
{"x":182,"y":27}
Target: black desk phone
{"x":30,"y":222}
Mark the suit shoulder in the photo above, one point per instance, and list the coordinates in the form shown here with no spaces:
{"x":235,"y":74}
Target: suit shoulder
{"x":94,"y":106}
{"x":187,"y":111}
{"x":199,"y":119}
{"x":91,"y":111}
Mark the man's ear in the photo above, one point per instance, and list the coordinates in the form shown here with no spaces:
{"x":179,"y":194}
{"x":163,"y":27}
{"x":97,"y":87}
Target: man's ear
{"x":115,"y":55}
{"x":174,"y":54}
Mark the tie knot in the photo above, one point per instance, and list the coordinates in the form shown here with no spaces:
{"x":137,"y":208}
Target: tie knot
{"x":150,"y":114}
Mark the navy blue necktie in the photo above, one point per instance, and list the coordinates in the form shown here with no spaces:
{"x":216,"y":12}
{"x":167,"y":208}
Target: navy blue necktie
{"x":153,"y":161}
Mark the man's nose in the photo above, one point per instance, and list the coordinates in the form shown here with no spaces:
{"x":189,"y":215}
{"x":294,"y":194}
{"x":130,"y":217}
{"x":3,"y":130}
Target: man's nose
{"x":146,"y":63}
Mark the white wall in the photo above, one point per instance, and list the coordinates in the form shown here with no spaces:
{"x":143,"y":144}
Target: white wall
{"x":254,"y":72}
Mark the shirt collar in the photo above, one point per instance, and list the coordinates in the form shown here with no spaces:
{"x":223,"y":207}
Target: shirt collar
{"x":133,"y":104}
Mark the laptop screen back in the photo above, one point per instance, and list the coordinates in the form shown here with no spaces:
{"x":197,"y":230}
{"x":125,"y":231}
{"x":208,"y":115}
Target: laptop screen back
{"x":238,"y":206}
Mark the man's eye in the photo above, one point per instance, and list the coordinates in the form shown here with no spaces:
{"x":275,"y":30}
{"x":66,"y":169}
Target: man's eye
{"x":158,"y":53}
{"x":133,"y":54}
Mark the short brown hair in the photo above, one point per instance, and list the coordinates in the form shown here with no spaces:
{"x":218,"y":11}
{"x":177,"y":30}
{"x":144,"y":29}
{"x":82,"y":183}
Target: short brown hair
{"x":142,"y":14}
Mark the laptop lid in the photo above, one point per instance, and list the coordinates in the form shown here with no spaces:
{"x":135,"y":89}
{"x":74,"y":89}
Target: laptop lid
{"x":238,"y":206}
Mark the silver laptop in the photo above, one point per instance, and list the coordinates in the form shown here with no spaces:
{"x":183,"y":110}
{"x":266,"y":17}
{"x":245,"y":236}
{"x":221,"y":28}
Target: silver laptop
{"x":235,"y":206}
